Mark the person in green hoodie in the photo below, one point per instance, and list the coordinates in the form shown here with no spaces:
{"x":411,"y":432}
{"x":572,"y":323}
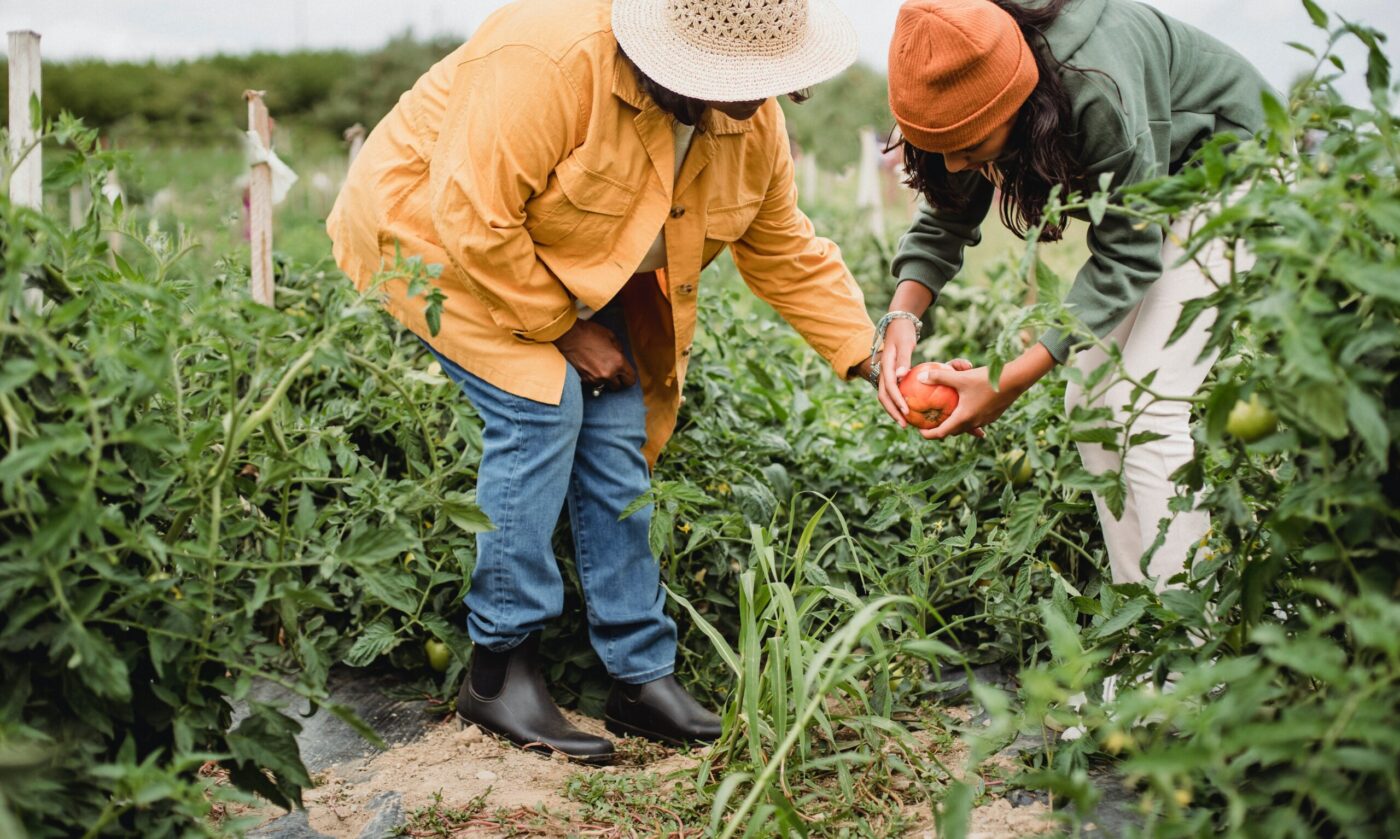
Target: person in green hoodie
{"x":1014,"y":98}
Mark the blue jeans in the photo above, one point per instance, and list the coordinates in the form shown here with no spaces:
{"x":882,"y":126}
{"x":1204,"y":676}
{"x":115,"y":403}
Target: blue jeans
{"x":586,"y":450}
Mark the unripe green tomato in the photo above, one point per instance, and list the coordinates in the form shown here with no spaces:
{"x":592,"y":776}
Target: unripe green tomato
{"x":1017,"y":467}
{"x":1252,"y":420}
{"x":439,"y":656}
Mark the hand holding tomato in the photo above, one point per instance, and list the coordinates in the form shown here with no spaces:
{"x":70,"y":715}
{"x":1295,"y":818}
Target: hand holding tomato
{"x":979,"y":404}
{"x":895,"y":360}
{"x":976,"y":405}
{"x":928,"y":405}
{"x":912,"y":402}
{"x":900,"y":337}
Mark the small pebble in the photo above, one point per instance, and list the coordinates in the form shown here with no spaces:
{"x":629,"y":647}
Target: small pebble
{"x":486,"y":775}
{"x":471,"y":734}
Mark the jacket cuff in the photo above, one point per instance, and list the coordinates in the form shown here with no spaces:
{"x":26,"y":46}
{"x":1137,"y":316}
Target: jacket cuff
{"x":1059,"y":343}
{"x":925,"y":274}
{"x":853,"y":352}
{"x":551,"y":331}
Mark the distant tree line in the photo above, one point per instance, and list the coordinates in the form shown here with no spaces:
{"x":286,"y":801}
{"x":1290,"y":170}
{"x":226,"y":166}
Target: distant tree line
{"x":329,"y":90}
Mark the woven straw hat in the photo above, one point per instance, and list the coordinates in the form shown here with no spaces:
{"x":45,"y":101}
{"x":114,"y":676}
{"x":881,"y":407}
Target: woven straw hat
{"x":735,"y":50}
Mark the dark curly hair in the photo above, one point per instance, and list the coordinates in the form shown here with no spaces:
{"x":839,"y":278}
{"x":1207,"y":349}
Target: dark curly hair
{"x":1039,"y":154}
{"x":686,"y":110}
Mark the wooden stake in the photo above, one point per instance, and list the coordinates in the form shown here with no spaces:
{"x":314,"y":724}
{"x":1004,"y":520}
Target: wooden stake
{"x":260,"y":203}
{"x":26,"y":184}
{"x":112,"y":192}
{"x":869,"y":193}
{"x":77,"y":205}
{"x":355,"y":138}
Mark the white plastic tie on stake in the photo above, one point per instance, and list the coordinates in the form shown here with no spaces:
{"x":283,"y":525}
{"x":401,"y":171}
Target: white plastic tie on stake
{"x":282,"y":175}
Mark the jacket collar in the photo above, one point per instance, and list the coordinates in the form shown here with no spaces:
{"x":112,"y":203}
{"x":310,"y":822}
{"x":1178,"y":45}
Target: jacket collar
{"x":625,"y":87}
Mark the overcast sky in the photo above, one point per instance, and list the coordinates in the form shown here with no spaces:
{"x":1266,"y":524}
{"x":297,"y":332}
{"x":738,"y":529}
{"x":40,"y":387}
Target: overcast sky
{"x":183,"y":28}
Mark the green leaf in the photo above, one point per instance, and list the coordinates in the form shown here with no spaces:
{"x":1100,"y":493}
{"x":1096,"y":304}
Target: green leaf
{"x":1098,"y":206}
{"x":1276,"y":115}
{"x":265,"y":744}
{"x":932,"y":650}
{"x":373,"y":547}
{"x":1022,"y":522}
{"x":1126,"y":616}
{"x":1314,"y":657}
{"x":955,"y":816}
{"x":461,"y":509}
{"x":375,"y":640}
{"x":391,"y":587}
{"x":1319,"y":17}
{"x":1368,"y":418}
{"x":101,"y":666}
{"x":32,"y":456}
{"x":305,"y":519}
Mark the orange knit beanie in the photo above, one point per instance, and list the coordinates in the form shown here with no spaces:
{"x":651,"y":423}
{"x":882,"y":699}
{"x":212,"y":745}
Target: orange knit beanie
{"x":958,"y":69}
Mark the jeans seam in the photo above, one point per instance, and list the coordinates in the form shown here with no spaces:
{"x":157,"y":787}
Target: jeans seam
{"x":501,"y":576}
{"x":581,"y":552}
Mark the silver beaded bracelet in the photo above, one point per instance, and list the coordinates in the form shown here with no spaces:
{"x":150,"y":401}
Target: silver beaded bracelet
{"x":879,"y":343}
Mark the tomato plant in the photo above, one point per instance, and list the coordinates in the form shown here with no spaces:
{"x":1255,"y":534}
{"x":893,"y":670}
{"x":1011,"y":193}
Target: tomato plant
{"x":200,"y":493}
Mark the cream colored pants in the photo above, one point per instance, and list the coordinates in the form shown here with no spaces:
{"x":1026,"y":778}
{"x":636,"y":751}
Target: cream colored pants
{"x":1147,"y":467}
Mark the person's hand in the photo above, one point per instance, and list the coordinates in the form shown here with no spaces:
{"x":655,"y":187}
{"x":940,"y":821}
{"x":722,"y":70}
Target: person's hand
{"x":596,"y":354}
{"x":860,"y":371}
{"x":979,"y":404}
{"x":900,"y":336}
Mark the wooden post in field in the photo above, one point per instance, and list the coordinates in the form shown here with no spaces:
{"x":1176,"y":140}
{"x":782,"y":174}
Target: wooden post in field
{"x":27,"y":179}
{"x":112,"y":193}
{"x":869,"y":193}
{"x":355,"y":138}
{"x":77,"y":205}
{"x":260,"y":202}
{"x":26,"y":184}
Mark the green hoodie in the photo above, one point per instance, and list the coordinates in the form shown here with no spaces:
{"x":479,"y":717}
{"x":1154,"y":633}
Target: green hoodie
{"x":1179,"y":86}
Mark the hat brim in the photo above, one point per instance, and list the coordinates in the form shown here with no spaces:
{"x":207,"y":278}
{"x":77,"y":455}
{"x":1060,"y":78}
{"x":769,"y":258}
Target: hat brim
{"x":641,"y":27}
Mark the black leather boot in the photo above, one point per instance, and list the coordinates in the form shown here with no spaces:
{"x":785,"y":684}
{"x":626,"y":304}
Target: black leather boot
{"x":660,"y":710}
{"x":521,"y":710}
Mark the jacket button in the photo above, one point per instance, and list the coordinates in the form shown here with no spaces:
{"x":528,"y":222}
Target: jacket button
{"x":677,"y":212}
{"x":682,"y":400}
{"x":687,"y":289}
{"x":686,"y":351}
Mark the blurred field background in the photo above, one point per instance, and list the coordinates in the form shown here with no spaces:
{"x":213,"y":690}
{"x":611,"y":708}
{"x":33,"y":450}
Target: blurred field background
{"x":177,"y":126}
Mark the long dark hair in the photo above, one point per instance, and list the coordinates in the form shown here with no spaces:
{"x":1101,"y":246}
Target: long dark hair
{"x":1038,"y":155}
{"x":687,"y":111}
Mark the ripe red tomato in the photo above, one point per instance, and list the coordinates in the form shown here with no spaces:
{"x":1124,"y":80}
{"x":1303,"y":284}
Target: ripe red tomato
{"x":929,"y":405}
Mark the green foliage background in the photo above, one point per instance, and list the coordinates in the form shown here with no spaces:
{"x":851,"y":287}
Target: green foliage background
{"x":323,"y":92}
{"x":199,"y":492}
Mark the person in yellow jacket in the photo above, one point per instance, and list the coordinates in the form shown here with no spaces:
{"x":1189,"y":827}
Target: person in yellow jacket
{"x":572,"y":168}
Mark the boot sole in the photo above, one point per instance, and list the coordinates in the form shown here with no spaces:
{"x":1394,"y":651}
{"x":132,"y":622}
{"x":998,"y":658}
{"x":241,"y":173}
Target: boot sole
{"x":536,"y":748}
{"x":622,"y":729}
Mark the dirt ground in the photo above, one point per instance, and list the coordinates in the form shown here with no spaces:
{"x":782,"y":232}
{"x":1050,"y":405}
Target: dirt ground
{"x":487,"y":788}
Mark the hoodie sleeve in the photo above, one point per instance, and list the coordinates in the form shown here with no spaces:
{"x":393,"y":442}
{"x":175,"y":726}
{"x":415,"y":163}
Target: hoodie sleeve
{"x":931,"y":253}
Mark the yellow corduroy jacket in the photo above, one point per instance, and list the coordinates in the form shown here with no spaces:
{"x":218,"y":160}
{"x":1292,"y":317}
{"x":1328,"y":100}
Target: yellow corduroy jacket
{"x":531,"y":167}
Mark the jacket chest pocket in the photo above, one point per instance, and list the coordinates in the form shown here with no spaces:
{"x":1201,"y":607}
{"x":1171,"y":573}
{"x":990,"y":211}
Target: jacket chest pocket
{"x":578,"y":204}
{"x":727,"y":224}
